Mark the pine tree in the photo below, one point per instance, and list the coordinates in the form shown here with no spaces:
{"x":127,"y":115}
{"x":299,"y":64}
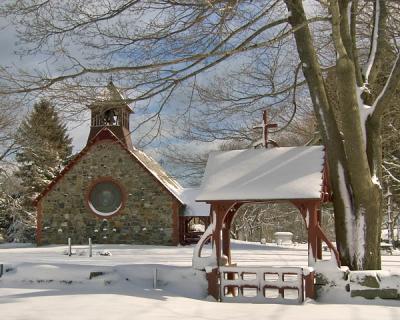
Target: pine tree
{"x":16,"y":221}
{"x":44,"y":148}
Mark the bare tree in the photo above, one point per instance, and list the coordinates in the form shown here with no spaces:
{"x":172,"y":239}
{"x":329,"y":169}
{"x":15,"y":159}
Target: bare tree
{"x":8,"y":125}
{"x":254,"y":222}
{"x":156,"y":47}
{"x":391,"y":167}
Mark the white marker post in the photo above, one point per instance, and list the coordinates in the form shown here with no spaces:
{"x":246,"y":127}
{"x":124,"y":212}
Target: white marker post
{"x":69,"y":247}
{"x":155,"y":278}
{"x":90,"y":247}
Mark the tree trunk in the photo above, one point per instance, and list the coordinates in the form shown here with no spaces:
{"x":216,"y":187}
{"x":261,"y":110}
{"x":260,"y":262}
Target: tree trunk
{"x":357,"y":200}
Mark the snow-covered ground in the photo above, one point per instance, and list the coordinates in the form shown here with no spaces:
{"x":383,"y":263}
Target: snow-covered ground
{"x":243,"y":253}
{"x":125,"y":289}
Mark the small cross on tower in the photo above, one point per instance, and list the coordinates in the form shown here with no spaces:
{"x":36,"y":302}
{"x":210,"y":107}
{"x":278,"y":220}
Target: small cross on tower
{"x":265,"y":126}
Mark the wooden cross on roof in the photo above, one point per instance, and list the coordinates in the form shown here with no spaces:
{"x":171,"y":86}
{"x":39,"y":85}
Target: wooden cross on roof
{"x":265,"y":126}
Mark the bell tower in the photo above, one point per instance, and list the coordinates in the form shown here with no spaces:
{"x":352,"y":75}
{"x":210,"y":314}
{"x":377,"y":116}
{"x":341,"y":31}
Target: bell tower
{"x":111,"y":110}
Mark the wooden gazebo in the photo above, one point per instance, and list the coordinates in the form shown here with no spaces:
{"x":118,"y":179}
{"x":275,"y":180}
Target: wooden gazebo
{"x":232,"y":178}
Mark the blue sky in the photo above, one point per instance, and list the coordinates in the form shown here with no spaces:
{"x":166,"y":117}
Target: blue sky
{"x":79,"y":129}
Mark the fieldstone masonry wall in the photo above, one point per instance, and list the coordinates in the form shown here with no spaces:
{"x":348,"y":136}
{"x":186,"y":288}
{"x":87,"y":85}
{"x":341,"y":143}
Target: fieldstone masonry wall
{"x":147,"y":217}
{"x":347,"y":284}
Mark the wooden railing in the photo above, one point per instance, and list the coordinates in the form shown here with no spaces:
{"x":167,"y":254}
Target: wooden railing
{"x":262,"y":284}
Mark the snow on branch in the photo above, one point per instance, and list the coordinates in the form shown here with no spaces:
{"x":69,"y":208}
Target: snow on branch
{"x":364,"y":110}
{"x":390,"y":87}
{"x":349,"y":5}
{"x":374,"y":42}
{"x":383,"y":98}
{"x":390,"y":174}
{"x":392,"y":164}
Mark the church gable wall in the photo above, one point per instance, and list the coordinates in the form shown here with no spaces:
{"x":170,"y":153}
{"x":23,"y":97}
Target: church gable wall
{"x":146,"y":218}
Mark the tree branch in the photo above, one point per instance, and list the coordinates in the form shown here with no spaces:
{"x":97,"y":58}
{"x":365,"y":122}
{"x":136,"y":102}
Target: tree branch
{"x":389,"y":90}
{"x":374,"y":39}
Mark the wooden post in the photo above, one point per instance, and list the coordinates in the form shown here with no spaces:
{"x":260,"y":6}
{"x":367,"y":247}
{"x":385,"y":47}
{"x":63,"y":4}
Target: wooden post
{"x":90,"y":247}
{"x":312,"y":233}
{"x":213,"y":285}
{"x":226,"y":237}
{"x":226,"y":250}
{"x":69,"y":247}
{"x":319,"y":240}
{"x":155,"y":275}
{"x":309,"y":285}
{"x":217,"y":232}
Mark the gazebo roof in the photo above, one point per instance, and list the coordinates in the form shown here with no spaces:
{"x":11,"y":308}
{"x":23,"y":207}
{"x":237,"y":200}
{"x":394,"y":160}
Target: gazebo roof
{"x":284,"y":173}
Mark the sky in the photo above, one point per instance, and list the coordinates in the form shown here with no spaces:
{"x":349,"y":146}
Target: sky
{"x":78,"y":130}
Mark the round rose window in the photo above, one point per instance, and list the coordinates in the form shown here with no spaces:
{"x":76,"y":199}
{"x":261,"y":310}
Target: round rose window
{"x":105,"y":198}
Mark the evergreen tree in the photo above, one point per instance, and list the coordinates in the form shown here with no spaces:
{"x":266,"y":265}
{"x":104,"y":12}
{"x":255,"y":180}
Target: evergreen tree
{"x":44,"y":147}
{"x":17,"y":223}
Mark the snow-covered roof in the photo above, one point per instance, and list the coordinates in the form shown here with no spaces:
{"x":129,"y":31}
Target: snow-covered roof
{"x":193,"y":208}
{"x":159,"y":173}
{"x":264,"y":174}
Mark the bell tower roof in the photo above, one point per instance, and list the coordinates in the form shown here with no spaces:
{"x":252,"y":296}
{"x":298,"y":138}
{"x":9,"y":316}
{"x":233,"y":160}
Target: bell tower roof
{"x":111,"y":96}
{"x":111,"y":109}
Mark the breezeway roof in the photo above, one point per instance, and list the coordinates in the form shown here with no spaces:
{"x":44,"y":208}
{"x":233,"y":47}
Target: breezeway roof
{"x":282,"y":173}
{"x":193,"y":208}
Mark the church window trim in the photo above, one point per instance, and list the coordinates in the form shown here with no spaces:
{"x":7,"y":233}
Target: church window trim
{"x":96,"y":212}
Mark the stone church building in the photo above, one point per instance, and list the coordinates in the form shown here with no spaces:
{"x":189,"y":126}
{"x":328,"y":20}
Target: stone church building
{"x":112,"y":192}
